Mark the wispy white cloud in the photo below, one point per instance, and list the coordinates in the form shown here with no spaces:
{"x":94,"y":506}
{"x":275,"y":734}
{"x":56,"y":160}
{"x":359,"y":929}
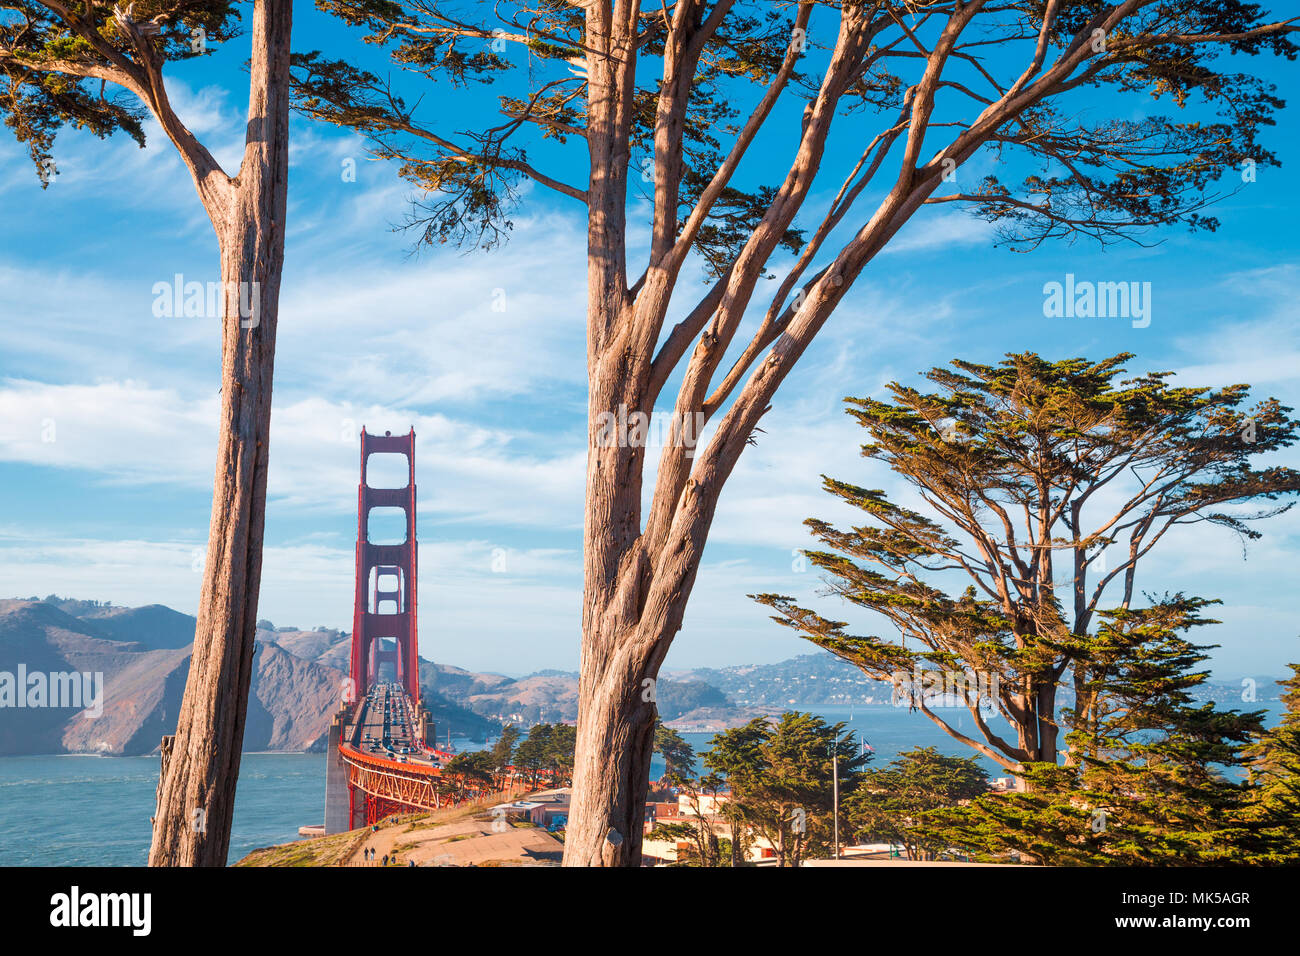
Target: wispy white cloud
{"x":1258,"y":342}
{"x":107,"y":427}
{"x":946,"y":230}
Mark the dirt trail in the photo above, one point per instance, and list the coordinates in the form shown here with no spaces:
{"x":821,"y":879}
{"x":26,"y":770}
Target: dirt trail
{"x":454,"y":837}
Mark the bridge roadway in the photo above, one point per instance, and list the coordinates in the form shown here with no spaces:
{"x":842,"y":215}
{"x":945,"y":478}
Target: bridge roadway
{"x":387,"y":727}
{"x":388,"y":765}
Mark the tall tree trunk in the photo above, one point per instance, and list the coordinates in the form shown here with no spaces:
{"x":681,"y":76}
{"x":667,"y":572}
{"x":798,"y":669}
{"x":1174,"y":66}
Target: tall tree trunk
{"x":611,"y":777}
{"x":638,"y":578}
{"x":1048,"y":729}
{"x":197,"y":793}
{"x":634,"y":600}
{"x":630,"y":621}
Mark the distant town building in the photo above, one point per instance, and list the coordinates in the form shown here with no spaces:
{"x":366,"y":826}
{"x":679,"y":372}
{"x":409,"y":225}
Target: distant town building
{"x":685,"y":811}
{"x":548,"y":809}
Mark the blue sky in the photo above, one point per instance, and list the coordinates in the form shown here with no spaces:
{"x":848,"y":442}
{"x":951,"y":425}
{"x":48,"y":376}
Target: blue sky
{"x":107,"y":412}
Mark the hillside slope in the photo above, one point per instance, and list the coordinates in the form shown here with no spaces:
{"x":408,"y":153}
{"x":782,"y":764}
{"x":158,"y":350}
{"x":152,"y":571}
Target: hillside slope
{"x":290,"y":703}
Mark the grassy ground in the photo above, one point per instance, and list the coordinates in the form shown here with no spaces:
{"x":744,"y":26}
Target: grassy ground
{"x":321,"y":851}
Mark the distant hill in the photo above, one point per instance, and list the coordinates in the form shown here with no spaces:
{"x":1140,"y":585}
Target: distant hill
{"x":154,"y":625}
{"x":328,"y":647}
{"x":456,"y":683}
{"x":309,"y":645}
{"x":808,"y":680}
{"x":528,"y":701}
{"x":291,"y":699}
{"x":821,"y":679}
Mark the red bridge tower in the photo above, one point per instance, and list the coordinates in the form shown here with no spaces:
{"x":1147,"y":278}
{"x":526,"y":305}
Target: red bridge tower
{"x":384,"y":621}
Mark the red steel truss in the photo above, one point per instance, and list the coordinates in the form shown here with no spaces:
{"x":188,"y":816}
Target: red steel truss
{"x":389,"y":787}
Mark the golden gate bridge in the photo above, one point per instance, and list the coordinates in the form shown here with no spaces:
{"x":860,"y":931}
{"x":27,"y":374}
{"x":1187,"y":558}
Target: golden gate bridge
{"x":381,"y":756}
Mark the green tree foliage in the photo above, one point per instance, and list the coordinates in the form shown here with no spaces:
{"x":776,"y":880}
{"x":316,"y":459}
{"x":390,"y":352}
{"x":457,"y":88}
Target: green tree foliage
{"x":56,"y":59}
{"x":890,"y":803}
{"x":1011,"y":464}
{"x":679,"y":756}
{"x":503,"y":751}
{"x":530,"y":753}
{"x":1274,"y":757}
{"x":470,"y":772}
{"x":560,"y":752}
{"x":1137,"y":172}
{"x":1152,"y":777}
{"x":547,"y":754}
{"x":780,"y":779}
{"x":472,"y":181}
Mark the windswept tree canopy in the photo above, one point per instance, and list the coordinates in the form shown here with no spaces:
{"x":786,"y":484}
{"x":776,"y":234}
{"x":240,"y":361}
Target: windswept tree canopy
{"x":934,"y":83}
{"x":57,"y":61}
{"x":1039,"y":487}
{"x":1154,"y":783}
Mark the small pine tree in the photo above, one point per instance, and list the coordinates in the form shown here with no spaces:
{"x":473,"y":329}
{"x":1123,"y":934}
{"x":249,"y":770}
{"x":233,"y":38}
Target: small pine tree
{"x":780,"y":777}
{"x":1145,"y":781}
{"x":503,"y":751}
{"x":891,"y":802}
{"x":1153,"y":761}
{"x":1274,"y":809}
